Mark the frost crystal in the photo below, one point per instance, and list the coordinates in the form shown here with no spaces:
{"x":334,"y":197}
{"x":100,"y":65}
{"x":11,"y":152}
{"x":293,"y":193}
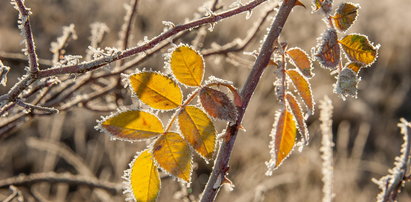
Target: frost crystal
{"x":3,"y":73}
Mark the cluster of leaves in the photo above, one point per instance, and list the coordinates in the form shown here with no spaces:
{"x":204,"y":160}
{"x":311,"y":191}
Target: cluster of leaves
{"x":171,"y":151}
{"x":360,"y":53}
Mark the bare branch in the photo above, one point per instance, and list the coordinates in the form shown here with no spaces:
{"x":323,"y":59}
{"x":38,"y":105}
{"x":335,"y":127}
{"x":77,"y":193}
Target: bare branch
{"x":30,"y":107}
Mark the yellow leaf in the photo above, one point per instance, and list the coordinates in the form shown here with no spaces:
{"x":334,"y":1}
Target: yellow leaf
{"x":217,"y":104}
{"x":173,"y":155}
{"x":303,"y":88}
{"x":133,"y":125}
{"x":144,"y":178}
{"x":198,"y":130}
{"x":284,"y":133}
{"x":187,"y":66}
{"x":345,"y":16}
{"x":298,"y":115}
{"x":354,"y":66}
{"x":301,"y":60}
{"x":359,"y":49}
{"x":156,"y":90}
{"x":328,"y":53}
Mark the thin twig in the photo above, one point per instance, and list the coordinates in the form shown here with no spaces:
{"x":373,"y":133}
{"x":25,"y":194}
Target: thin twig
{"x":29,"y":106}
{"x":221,"y":164}
{"x":6,"y":56}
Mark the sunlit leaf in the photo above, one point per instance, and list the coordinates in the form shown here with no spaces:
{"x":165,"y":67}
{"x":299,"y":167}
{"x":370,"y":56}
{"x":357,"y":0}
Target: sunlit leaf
{"x":144,"y":178}
{"x":325,"y":5}
{"x":187,"y":66}
{"x":354,"y":66}
{"x":133,"y":125}
{"x":173,"y":155}
{"x":359,"y":49}
{"x":345,"y":16}
{"x":346,"y":83}
{"x":328,"y":53}
{"x":301,"y":60}
{"x":298,"y":115}
{"x":303,"y":88}
{"x":284,"y":134}
{"x":156,"y":90}
{"x":217,"y":104}
{"x":198,"y":130}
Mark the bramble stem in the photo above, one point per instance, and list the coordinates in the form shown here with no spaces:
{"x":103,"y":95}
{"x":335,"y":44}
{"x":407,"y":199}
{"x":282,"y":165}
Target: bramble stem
{"x":221,"y":164}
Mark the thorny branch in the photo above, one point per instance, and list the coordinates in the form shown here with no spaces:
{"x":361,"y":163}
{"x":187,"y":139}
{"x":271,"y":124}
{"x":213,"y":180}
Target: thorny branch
{"x":221,"y":164}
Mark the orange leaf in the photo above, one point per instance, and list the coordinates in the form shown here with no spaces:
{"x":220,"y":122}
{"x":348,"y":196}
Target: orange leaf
{"x":198,"y":130}
{"x":298,"y":115}
{"x":359,"y":49}
{"x":156,"y":90}
{"x":133,"y":125}
{"x":217,"y":104}
{"x":354,"y":66}
{"x":328,"y":54}
{"x":187,"y":65}
{"x":144,"y":179}
{"x":303,"y":88}
{"x":345,"y":16}
{"x":173,"y":155}
{"x":301,"y":60}
{"x":283,"y":134}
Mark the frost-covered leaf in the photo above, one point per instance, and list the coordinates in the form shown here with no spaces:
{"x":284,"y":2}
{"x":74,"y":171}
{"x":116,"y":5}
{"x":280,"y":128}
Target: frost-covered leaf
{"x":133,"y":125}
{"x":328,"y":53}
{"x":198,"y":130}
{"x":301,"y":60}
{"x":303,"y":88}
{"x":283,"y":134}
{"x":345,"y":16}
{"x":354,"y":66}
{"x":156,"y":90}
{"x":298,"y":115}
{"x":359,"y":49}
{"x":325,"y":5}
{"x":346,"y":83}
{"x":187,"y":66}
{"x":173,"y":155}
{"x":144,"y":179}
{"x":217,"y":104}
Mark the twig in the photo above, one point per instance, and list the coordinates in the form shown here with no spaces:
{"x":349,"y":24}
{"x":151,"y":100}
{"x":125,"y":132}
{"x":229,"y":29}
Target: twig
{"x":22,"y":58}
{"x":29,"y":106}
{"x":16,"y":194}
{"x":221,"y":164}
{"x":52,"y":177}
{"x":202,"y":32}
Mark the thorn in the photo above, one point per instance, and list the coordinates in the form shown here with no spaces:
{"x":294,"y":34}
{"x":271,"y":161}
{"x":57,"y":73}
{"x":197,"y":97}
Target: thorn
{"x":241,"y":127}
{"x":299,"y":3}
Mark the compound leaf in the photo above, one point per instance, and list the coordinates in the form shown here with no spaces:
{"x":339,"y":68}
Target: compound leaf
{"x":144,"y":178}
{"x":173,"y":155}
{"x":345,"y":16}
{"x":303,"y":88}
{"x":217,"y":104}
{"x":298,"y":115}
{"x":198,"y":130}
{"x":328,"y":53}
{"x":359,"y":49}
{"x":133,"y":125}
{"x":156,"y":90}
{"x":301,"y":60}
{"x":187,"y":66}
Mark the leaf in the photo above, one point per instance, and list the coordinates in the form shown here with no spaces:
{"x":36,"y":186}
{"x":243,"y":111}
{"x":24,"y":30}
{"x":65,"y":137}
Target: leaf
{"x":284,"y":134}
{"x":325,"y":5}
{"x":217,"y":104}
{"x":298,"y":115}
{"x":346,"y":83}
{"x":359,"y":49}
{"x":301,"y":60}
{"x":198,"y":130}
{"x":354,"y":66}
{"x":303,"y":88}
{"x":144,"y":178}
{"x":187,"y":66}
{"x":173,"y":155}
{"x":345,"y":16}
{"x":133,"y":125}
{"x":328,"y":54}
{"x":156,"y":90}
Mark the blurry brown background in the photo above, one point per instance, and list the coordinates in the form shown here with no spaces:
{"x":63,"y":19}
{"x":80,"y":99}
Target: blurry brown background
{"x":365,"y":132}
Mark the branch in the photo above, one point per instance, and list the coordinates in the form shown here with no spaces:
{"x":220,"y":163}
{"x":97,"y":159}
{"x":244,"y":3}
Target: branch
{"x":51,"y":177}
{"x":221,"y":164}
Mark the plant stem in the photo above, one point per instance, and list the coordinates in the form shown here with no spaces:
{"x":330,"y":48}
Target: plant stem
{"x":221,"y":164}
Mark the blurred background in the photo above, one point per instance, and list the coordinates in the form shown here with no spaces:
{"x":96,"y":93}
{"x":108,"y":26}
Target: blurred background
{"x":365,"y":130}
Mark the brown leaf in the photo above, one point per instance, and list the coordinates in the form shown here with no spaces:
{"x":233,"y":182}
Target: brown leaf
{"x":328,"y":53}
{"x":217,"y":104}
